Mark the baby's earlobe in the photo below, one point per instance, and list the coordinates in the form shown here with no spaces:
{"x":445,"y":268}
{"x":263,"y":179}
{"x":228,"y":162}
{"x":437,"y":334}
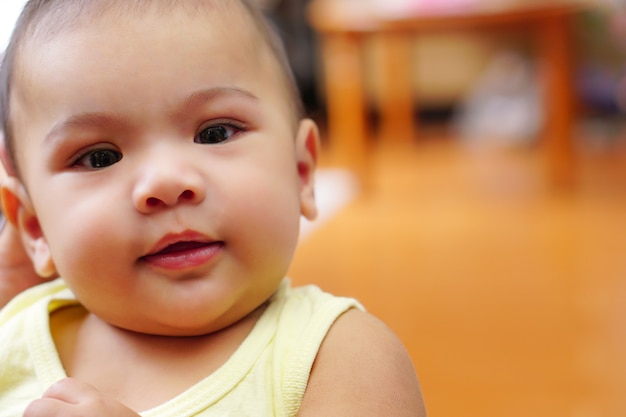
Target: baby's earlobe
{"x":42,"y":260}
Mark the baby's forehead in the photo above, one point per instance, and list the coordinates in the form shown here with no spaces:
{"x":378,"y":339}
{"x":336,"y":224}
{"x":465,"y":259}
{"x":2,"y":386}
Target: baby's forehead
{"x":80,"y":19}
{"x":53,"y":17}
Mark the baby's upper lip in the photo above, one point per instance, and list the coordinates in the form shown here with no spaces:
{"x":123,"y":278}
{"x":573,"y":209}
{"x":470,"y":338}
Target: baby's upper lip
{"x":179,"y":241}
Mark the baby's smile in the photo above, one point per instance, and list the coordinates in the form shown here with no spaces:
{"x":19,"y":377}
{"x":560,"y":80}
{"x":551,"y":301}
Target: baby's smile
{"x":177,"y":252}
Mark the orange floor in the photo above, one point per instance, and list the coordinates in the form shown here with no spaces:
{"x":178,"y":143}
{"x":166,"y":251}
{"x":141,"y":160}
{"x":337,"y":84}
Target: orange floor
{"x":510,"y":298}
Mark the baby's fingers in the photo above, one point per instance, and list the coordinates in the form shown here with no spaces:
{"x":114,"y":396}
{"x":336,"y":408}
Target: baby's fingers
{"x":73,"y":398}
{"x":71,"y":391}
{"x":46,"y":407}
{"x":57,"y":400}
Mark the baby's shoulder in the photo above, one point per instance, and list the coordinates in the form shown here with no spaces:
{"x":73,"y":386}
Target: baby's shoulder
{"x":363,"y":369}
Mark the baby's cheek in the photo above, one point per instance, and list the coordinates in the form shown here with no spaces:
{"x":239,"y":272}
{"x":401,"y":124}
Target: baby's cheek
{"x":85,"y":248}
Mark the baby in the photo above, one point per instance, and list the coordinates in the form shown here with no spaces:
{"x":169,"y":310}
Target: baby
{"x":160,"y":166}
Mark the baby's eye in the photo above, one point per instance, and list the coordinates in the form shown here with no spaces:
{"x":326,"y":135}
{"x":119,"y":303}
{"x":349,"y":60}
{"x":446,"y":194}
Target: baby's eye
{"x":98,"y":158}
{"x":216,"y":134}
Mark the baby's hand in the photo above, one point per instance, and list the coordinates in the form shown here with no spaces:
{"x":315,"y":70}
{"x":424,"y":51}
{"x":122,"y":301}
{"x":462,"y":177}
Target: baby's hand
{"x":72,"y":398}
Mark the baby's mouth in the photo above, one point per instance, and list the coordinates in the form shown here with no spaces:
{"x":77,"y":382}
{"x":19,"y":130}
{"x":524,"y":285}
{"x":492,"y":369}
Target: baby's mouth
{"x":183,"y":255}
{"x":181,"y":247}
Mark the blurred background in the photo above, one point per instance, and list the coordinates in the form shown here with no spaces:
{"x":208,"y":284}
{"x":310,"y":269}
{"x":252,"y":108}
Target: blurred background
{"x":490,"y":235}
{"x":472,"y":190}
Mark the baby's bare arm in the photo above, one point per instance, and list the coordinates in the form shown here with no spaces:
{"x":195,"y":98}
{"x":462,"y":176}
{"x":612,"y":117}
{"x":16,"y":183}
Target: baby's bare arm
{"x":362,"y":370}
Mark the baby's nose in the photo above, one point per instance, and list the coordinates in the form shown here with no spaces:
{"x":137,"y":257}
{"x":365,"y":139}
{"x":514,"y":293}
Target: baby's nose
{"x":167,"y":186}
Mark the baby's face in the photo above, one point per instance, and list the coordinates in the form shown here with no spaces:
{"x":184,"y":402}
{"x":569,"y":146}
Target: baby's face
{"x":163,"y":167}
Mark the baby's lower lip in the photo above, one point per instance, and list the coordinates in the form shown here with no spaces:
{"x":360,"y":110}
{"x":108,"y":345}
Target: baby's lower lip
{"x":184,"y":255}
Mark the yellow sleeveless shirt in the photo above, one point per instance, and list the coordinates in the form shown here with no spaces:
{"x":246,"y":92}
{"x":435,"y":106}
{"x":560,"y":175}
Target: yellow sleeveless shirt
{"x":266,"y":376}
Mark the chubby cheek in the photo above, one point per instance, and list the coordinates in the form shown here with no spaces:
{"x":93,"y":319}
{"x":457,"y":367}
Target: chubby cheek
{"x":82,"y":237}
{"x":266,"y":220}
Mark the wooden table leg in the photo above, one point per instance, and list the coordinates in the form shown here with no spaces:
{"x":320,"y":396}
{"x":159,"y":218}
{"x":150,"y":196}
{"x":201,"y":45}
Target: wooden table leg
{"x":345,"y":100}
{"x":556,"y":45}
{"x":396,"y":87}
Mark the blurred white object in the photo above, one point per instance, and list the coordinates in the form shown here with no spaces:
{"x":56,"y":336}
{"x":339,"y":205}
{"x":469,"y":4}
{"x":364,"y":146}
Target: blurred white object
{"x":504,"y":106}
{"x":334,"y":189}
{"x":9,"y":12}
{"x":391,"y":8}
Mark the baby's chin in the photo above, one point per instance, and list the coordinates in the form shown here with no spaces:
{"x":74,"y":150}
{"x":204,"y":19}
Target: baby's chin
{"x":177,"y":328}
{"x":161,"y":330}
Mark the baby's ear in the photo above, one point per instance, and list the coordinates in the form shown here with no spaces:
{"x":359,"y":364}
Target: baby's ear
{"x":19,"y":212}
{"x":307,"y":148}
{"x":5,"y":160}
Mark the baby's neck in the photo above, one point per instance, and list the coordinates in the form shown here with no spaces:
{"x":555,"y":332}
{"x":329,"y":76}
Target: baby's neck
{"x":140,"y":370}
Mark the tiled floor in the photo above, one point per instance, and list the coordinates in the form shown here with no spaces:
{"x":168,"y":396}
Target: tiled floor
{"x":510,"y":297}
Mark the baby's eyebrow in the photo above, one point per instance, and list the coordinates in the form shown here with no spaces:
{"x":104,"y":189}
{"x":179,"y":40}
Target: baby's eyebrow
{"x":83,"y":120}
{"x":200,"y":97}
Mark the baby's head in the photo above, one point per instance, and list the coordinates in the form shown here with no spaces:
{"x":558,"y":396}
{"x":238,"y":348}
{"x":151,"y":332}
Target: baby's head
{"x":163,"y":165}
{"x":41,"y":20}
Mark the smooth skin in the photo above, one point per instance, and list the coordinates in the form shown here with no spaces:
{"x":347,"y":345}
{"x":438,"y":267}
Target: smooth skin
{"x":16,"y":269}
{"x":169,"y":199}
